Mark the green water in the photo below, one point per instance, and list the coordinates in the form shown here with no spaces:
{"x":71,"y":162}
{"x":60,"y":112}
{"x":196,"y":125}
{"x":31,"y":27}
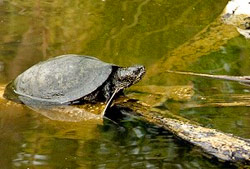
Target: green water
{"x":172,"y":34}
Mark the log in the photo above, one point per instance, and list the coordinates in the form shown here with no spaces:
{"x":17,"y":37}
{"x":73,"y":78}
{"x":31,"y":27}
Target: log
{"x":223,"y":146}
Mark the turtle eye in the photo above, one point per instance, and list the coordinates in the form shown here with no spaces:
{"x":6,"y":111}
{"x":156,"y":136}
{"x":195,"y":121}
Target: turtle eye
{"x":137,"y":69}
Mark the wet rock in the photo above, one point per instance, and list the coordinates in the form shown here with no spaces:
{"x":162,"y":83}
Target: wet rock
{"x":237,"y":13}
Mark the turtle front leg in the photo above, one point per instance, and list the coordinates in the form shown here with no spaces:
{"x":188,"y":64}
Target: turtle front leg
{"x":107,"y":91}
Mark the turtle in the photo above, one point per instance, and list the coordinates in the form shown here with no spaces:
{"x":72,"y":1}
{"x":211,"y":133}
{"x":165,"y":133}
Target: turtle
{"x":72,"y":79}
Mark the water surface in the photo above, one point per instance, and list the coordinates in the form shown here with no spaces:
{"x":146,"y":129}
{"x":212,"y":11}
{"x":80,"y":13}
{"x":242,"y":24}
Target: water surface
{"x":174,"y":34}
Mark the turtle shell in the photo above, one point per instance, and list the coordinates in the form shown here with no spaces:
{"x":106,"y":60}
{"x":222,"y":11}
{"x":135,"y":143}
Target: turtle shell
{"x":62,"y":79}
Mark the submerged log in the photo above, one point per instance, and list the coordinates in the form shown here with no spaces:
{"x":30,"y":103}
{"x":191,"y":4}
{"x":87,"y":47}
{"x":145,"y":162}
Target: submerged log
{"x":223,"y":146}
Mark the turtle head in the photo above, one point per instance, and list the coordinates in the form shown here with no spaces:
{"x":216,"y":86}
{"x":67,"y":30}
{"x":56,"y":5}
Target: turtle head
{"x":130,"y":75}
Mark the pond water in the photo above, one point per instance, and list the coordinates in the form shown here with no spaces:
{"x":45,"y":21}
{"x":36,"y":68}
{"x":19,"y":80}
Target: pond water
{"x":174,"y":34}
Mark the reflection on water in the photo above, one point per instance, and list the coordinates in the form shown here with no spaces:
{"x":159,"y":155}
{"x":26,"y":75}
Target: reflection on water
{"x":182,"y":35}
{"x":32,"y":140}
{"x":140,"y":32}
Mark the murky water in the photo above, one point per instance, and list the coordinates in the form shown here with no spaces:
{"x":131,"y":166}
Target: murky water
{"x":177,"y":35}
